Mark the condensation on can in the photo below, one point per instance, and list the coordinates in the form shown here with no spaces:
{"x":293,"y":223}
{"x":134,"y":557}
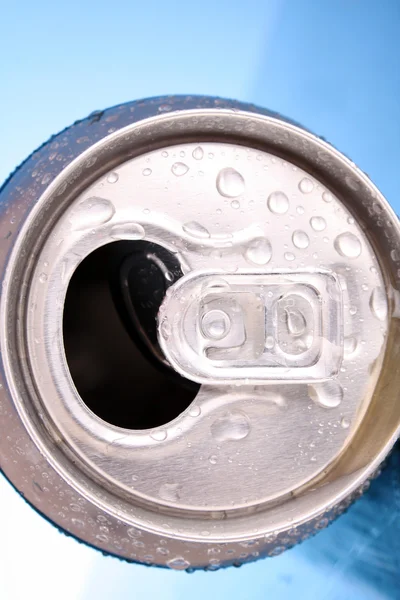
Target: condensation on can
{"x":257,"y":270}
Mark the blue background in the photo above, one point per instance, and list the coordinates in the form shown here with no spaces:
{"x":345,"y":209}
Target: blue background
{"x":332,"y":66}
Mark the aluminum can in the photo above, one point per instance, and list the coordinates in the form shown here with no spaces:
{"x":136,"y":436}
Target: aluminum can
{"x":199,"y":332}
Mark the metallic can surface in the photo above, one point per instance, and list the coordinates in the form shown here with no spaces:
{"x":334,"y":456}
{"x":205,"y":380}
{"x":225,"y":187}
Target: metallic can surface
{"x":277,"y":261}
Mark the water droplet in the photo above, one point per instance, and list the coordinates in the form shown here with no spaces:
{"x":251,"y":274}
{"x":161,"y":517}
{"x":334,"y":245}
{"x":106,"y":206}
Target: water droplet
{"x":195,"y":410}
{"x":318,"y":223}
{"x":198,"y":153}
{"x":148,"y":558}
{"x":46,"y":178}
{"x":230,"y":426}
{"x":127,"y":231}
{"x":313,"y":459}
{"x":43,"y":278}
{"x":295,"y":321}
{"x":276,"y":551}
{"x":348,"y":245}
{"x":350,"y":221}
{"x":328,"y":394}
{"x":258,"y":252}
{"x":300,"y":210}
{"x":170,"y":491}
{"x":248,"y":543}
{"x":178,"y":563}
{"x":345,"y":423}
{"x":378,"y":304}
{"x":230,"y":183}
{"x":179,"y":169}
{"x":327,"y":197}
{"x":101,"y":519}
{"x":159,"y":435}
{"x":306,"y":185}
{"x":112,"y":177}
{"x":214,"y":564}
{"x":353,"y":310}
{"x":289,"y":256}
{"x":349,"y":345}
{"x":91,"y":212}
{"x":164,"y":154}
{"x":322,"y":523}
{"x":162,"y":551}
{"x":235,"y":204}
{"x":373,"y":270}
{"x":278,"y":203}
{"x":134,"y":533}
{"x":78,"y":523}
{"x":354,"y":184}
{"x":300,"y":239}
{"x":394,"y":255}
{"x":213,"y":459}
{"x":196,"y":230}
{"x":146,"y":172}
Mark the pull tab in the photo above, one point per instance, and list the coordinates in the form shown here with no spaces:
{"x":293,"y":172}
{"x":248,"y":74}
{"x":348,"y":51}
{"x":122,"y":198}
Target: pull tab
{"x":221,"y":328}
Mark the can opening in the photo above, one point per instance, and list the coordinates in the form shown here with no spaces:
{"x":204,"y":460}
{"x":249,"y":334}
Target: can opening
{"x":110,"y":339}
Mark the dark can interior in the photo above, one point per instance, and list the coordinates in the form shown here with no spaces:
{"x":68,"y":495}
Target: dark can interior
{"x":110,"y":337}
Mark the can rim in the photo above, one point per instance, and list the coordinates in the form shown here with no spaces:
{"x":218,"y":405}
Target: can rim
{"x":348,"y":483}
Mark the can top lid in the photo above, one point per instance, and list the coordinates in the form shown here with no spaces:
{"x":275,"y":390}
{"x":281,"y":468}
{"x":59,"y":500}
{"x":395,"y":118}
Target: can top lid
{"x":280,"y":314}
